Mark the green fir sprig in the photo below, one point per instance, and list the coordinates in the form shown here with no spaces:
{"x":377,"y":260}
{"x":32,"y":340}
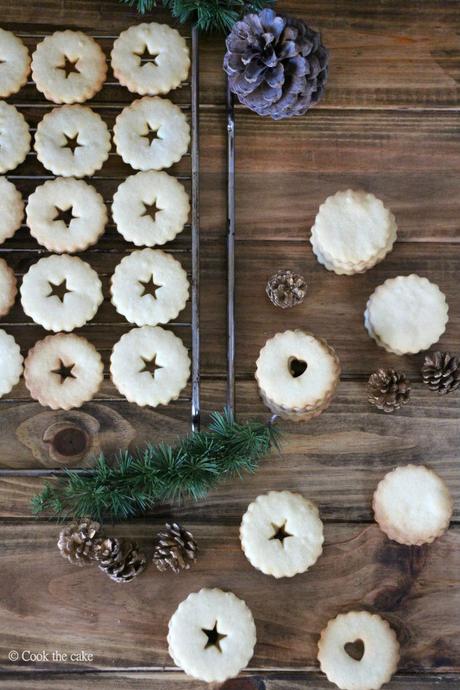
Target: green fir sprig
{"x":207,"y":15}
{"x":160,"y":474}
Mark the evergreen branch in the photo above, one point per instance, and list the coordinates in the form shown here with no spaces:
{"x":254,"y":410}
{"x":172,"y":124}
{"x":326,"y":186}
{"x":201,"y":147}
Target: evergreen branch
{"x":162,"y":473}
{"x":207,"y":15}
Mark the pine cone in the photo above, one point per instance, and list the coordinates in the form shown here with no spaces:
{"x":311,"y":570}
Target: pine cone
{"x":388,"y":389}
{"x":175,"y":548}
{"x":441,"y":372}
{"x":79,"y":541}
{"x":276,"y":65}
{"x":120,"y":559}
{"x":286,"y":289}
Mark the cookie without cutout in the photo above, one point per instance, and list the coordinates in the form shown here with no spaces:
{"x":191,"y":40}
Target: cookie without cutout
{"x":11,"y":209}
{"x":61,"y":292}
{"x":297,"y":374}
{"x":10,"y":363}
{"x":14,"y":63}
{"x":8,"y":287}
{"x":150,"y":366}
{"x":68,"y":67}
{"x":212,"y":635}
{"x":66,"y":215}
{"x":63,"y":371}
{"x":149,"y":287}
{"x":406,"y":314}
{"x":151,"y":134}
{"x":14,"y":137}
{"x":380,"y":656}
{"x":412,"y":505}
{"x":72,"y":141}
{"x":352,"y":232}
{"x":150,"y":208}
{"x":166,"y":55}
{"x":281,"y":534}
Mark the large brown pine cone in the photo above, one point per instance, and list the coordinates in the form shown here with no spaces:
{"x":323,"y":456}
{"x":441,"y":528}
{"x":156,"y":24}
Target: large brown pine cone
{"x":276,"y":65}
{"x":79,"y":541}
{"x":120,"y":559}
{"x":388,"y":389}
{"x":441,"y":372}
{"x":175,"y":548}
{"x":286,"y":289}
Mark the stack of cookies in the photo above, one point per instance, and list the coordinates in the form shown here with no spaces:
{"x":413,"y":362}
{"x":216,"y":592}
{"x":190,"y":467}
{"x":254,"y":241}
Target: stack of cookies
{"x":67,"y":215}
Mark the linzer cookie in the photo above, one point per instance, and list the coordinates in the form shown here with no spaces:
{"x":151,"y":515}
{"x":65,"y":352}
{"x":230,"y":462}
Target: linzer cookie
{"x":212,"y":635}
{"x":14,"y":63}
{"x":406,"y":314}
{"x":151,"y":134}
{"x":8,"y":287}
{"x":72,"y":141}
{"x":149,"y":287}
{"x":297,"y":374}
{"x":150,"y":208}
{"x":150,"y":366}
{"x":412,"y":505}
{"x":281,"y":534}
{"x":150,"y":59}
{"x":61,"y":292}
{"x":63,"y":371}
{"x":11,"y":209}
{"x":68,"y":67}
{"x":380,"y":647}
{"x":352,"y":232}
{"x":10,"y":363}
{"x":14,"y":137}
{"x":66,"y":215}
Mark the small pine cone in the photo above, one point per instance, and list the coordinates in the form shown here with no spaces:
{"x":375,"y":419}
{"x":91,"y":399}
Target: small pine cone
{"x":175,"y":548}
{"x":441,"y":372}
{"x":286,"y":289}
{"x":120,"y":559}
{"x":388,"y":389}
{"x":79,"y":541}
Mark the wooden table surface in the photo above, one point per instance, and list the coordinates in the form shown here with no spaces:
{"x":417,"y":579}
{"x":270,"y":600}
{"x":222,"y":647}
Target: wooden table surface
{"x":389,"y":124}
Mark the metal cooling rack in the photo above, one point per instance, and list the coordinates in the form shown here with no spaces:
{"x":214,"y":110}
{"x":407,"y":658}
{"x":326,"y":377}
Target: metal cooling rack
{"x":193,"y":178}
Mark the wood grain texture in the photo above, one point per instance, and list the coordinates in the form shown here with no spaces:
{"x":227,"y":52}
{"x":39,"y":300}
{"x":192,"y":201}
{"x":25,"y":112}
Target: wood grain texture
{"x":141,"y":680}
{"x":127,"y":625}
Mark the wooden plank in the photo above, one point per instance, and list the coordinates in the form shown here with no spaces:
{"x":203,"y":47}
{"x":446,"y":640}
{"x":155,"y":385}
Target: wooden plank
{"x":336,"y":460}
{"x":177,"y":681}
{"x":417,"y":589}
{"x":334,"y":305}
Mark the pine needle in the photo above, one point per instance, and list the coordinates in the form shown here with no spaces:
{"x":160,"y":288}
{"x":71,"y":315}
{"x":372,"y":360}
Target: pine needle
{"x":207,"y":15}
{"x":133,"y":483}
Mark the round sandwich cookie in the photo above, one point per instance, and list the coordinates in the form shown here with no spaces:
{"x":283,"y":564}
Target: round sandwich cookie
{"x":378,"y":651}
{"x":11,"y":209}
{"x":150,"y":59}
{"x":406,"y":314}
{"x":297,"y":374}
{"x":63,"y":371}
{"x":412,"y":505}
{"x":150,"y":366}
{"x":150,"y":208}
{"x":14,"y":137}
{"x":281,"y":534}
{"x":352,"y":232}
{"x":11,"y":362}
{"x":66,"y":215}
{"x":152,"y":133}
{"x":72,"y":141}
{"x":61,"y":292}
{"x":69,"y":67}
{"x":8,"y":287}
{"x":14,"y":63}
{"x":149,"y":287}
{"x":212,"y":635}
